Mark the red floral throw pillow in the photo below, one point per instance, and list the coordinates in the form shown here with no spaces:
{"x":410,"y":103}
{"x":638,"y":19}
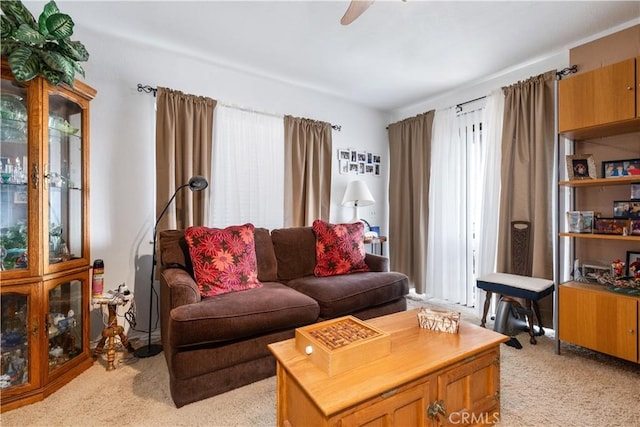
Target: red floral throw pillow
{"x":339,"y":248}
{"x":224,"y":260}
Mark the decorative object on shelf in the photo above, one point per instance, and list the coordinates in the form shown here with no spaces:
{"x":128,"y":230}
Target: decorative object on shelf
{"x":437,"y":320}
{"x":611,"y":226}
{"x":580,"y":221}
{"x":580,"y":166}
{"x":633,"y":260}
{"x":617,"y":268}
{"x":61,"y":125}
{"x":634,"y":227}
{"x":623,"y":285}
{"x":635,"y":191}
{"x":618,"y":168}
{"x":591,"y":272}
{"x":196,"y":183}
{"x":634,"y":269}
{"x":357,"y":194}
{"x":43,"y":46}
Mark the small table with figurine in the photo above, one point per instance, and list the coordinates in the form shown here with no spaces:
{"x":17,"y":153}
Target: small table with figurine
{"x":112,"y":329}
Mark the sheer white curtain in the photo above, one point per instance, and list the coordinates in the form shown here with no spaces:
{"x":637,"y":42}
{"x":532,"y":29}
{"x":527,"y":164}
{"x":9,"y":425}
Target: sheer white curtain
{"x":447,"y":247}
{"x":471,"y":135}
{"x":247,"y":182}
{"x":490,"y":178}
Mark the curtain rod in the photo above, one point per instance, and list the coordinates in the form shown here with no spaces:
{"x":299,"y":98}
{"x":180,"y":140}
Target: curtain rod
{"x":566,"y":71}
{"x":154,"y":91}
{"x":459,"y":106}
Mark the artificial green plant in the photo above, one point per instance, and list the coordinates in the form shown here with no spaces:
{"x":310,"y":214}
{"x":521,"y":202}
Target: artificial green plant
{"x":40,"y":47}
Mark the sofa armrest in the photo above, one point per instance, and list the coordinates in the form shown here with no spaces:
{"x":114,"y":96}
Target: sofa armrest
{"x":376,"y":262}
{"x":180,"y":287}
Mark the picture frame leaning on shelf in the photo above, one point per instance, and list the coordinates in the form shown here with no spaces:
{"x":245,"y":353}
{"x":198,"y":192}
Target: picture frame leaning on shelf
{"x":580,"y":166}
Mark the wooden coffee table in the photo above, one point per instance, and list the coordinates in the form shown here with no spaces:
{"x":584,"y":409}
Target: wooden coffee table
{"x":429,"y":378}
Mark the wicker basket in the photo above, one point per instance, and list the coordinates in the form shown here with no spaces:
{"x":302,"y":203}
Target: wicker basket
{"x":436,"y":320}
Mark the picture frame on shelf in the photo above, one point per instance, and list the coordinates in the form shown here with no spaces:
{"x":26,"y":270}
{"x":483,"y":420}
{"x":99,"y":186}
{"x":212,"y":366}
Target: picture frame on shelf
{"x":591,"y":271}
{"x":621,"y":209}
{"x":632,"y":256}
{"x":634,"y":227}
{"x":619,"y":168}
{"x":580,"y":221}
{"x":614,"y":226}
{"x":635,"y":191}
{"x":634,"y":209}
{"x":580,"y":166}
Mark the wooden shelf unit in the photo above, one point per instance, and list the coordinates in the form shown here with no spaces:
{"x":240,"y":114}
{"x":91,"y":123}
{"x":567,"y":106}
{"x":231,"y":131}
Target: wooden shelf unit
{"x":600,"y":111}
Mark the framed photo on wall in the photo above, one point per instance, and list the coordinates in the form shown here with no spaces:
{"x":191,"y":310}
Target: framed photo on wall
{"x":580,"y":166}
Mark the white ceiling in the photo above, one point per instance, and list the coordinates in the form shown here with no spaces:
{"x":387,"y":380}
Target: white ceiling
{"x":397,"y":53}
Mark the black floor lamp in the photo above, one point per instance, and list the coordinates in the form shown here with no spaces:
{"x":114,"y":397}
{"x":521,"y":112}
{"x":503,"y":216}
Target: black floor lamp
{"x":196,"y":183}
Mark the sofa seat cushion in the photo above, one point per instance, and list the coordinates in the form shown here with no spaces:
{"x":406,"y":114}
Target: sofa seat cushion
{"x":342,"y":295}
{"x":238,"y":315}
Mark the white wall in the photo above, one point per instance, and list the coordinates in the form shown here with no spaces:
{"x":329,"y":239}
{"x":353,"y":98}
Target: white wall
{"x":122,"y":145}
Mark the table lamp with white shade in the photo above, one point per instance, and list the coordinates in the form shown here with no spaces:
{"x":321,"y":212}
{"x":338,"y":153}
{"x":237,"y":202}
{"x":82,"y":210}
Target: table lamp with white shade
{"x":356,"y":195}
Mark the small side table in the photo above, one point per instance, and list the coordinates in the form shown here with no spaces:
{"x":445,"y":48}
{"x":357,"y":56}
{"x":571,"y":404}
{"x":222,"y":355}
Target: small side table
{"x":112,"y":329}
{"x":376,"y":241}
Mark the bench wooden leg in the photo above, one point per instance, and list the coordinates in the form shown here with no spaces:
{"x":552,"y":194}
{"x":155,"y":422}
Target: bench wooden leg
{"x":532,"y":332}
{"x":487,"y":304}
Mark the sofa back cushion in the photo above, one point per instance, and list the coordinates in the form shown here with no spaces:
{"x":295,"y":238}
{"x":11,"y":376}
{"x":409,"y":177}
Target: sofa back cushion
{"x":173,"y":251}
{"x":265,"y":256}
{"x":295,"y":249}
{"x":224,"y":260}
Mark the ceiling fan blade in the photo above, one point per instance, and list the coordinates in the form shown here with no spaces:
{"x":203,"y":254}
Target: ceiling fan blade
{"x":356,"y":8}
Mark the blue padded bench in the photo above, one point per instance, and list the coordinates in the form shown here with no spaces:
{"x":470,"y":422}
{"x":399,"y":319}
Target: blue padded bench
{"x":531,"y":289}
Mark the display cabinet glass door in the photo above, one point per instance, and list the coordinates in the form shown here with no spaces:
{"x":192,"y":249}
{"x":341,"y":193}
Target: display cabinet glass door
{"x":64,"y":321}
{"x":18,"y":345}
{"x":14,"y":161}
{"x":64,"y":180}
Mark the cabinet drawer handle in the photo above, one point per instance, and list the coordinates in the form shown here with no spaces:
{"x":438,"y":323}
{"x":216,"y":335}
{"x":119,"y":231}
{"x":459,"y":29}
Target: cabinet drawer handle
{"x":389,"y":393}
{"x":631,"y":331}
{"x":435,"y":409}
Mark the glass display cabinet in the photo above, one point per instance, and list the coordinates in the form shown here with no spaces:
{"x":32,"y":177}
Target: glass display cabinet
{"x":44,"y":236}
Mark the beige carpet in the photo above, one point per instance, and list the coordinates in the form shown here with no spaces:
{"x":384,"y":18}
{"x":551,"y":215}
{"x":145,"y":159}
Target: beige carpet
{"x":539,"y":388}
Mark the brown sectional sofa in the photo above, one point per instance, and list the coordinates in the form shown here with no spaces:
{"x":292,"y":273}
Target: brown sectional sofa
{"x":219,"y":343}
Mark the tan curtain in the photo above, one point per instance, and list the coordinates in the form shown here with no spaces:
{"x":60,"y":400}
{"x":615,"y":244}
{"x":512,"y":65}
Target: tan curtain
{"x":307,"y":174}
{"x":409,"y":169}
{"x":184,"y":129}
{"x":528,"y":137}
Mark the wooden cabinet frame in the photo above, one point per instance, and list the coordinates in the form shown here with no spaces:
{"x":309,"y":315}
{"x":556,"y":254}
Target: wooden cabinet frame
{"x":43,"y":273}
{"x":600,"y":112}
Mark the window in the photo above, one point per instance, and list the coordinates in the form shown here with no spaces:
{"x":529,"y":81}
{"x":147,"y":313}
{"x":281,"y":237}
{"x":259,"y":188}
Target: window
{"x":247,"y":182}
